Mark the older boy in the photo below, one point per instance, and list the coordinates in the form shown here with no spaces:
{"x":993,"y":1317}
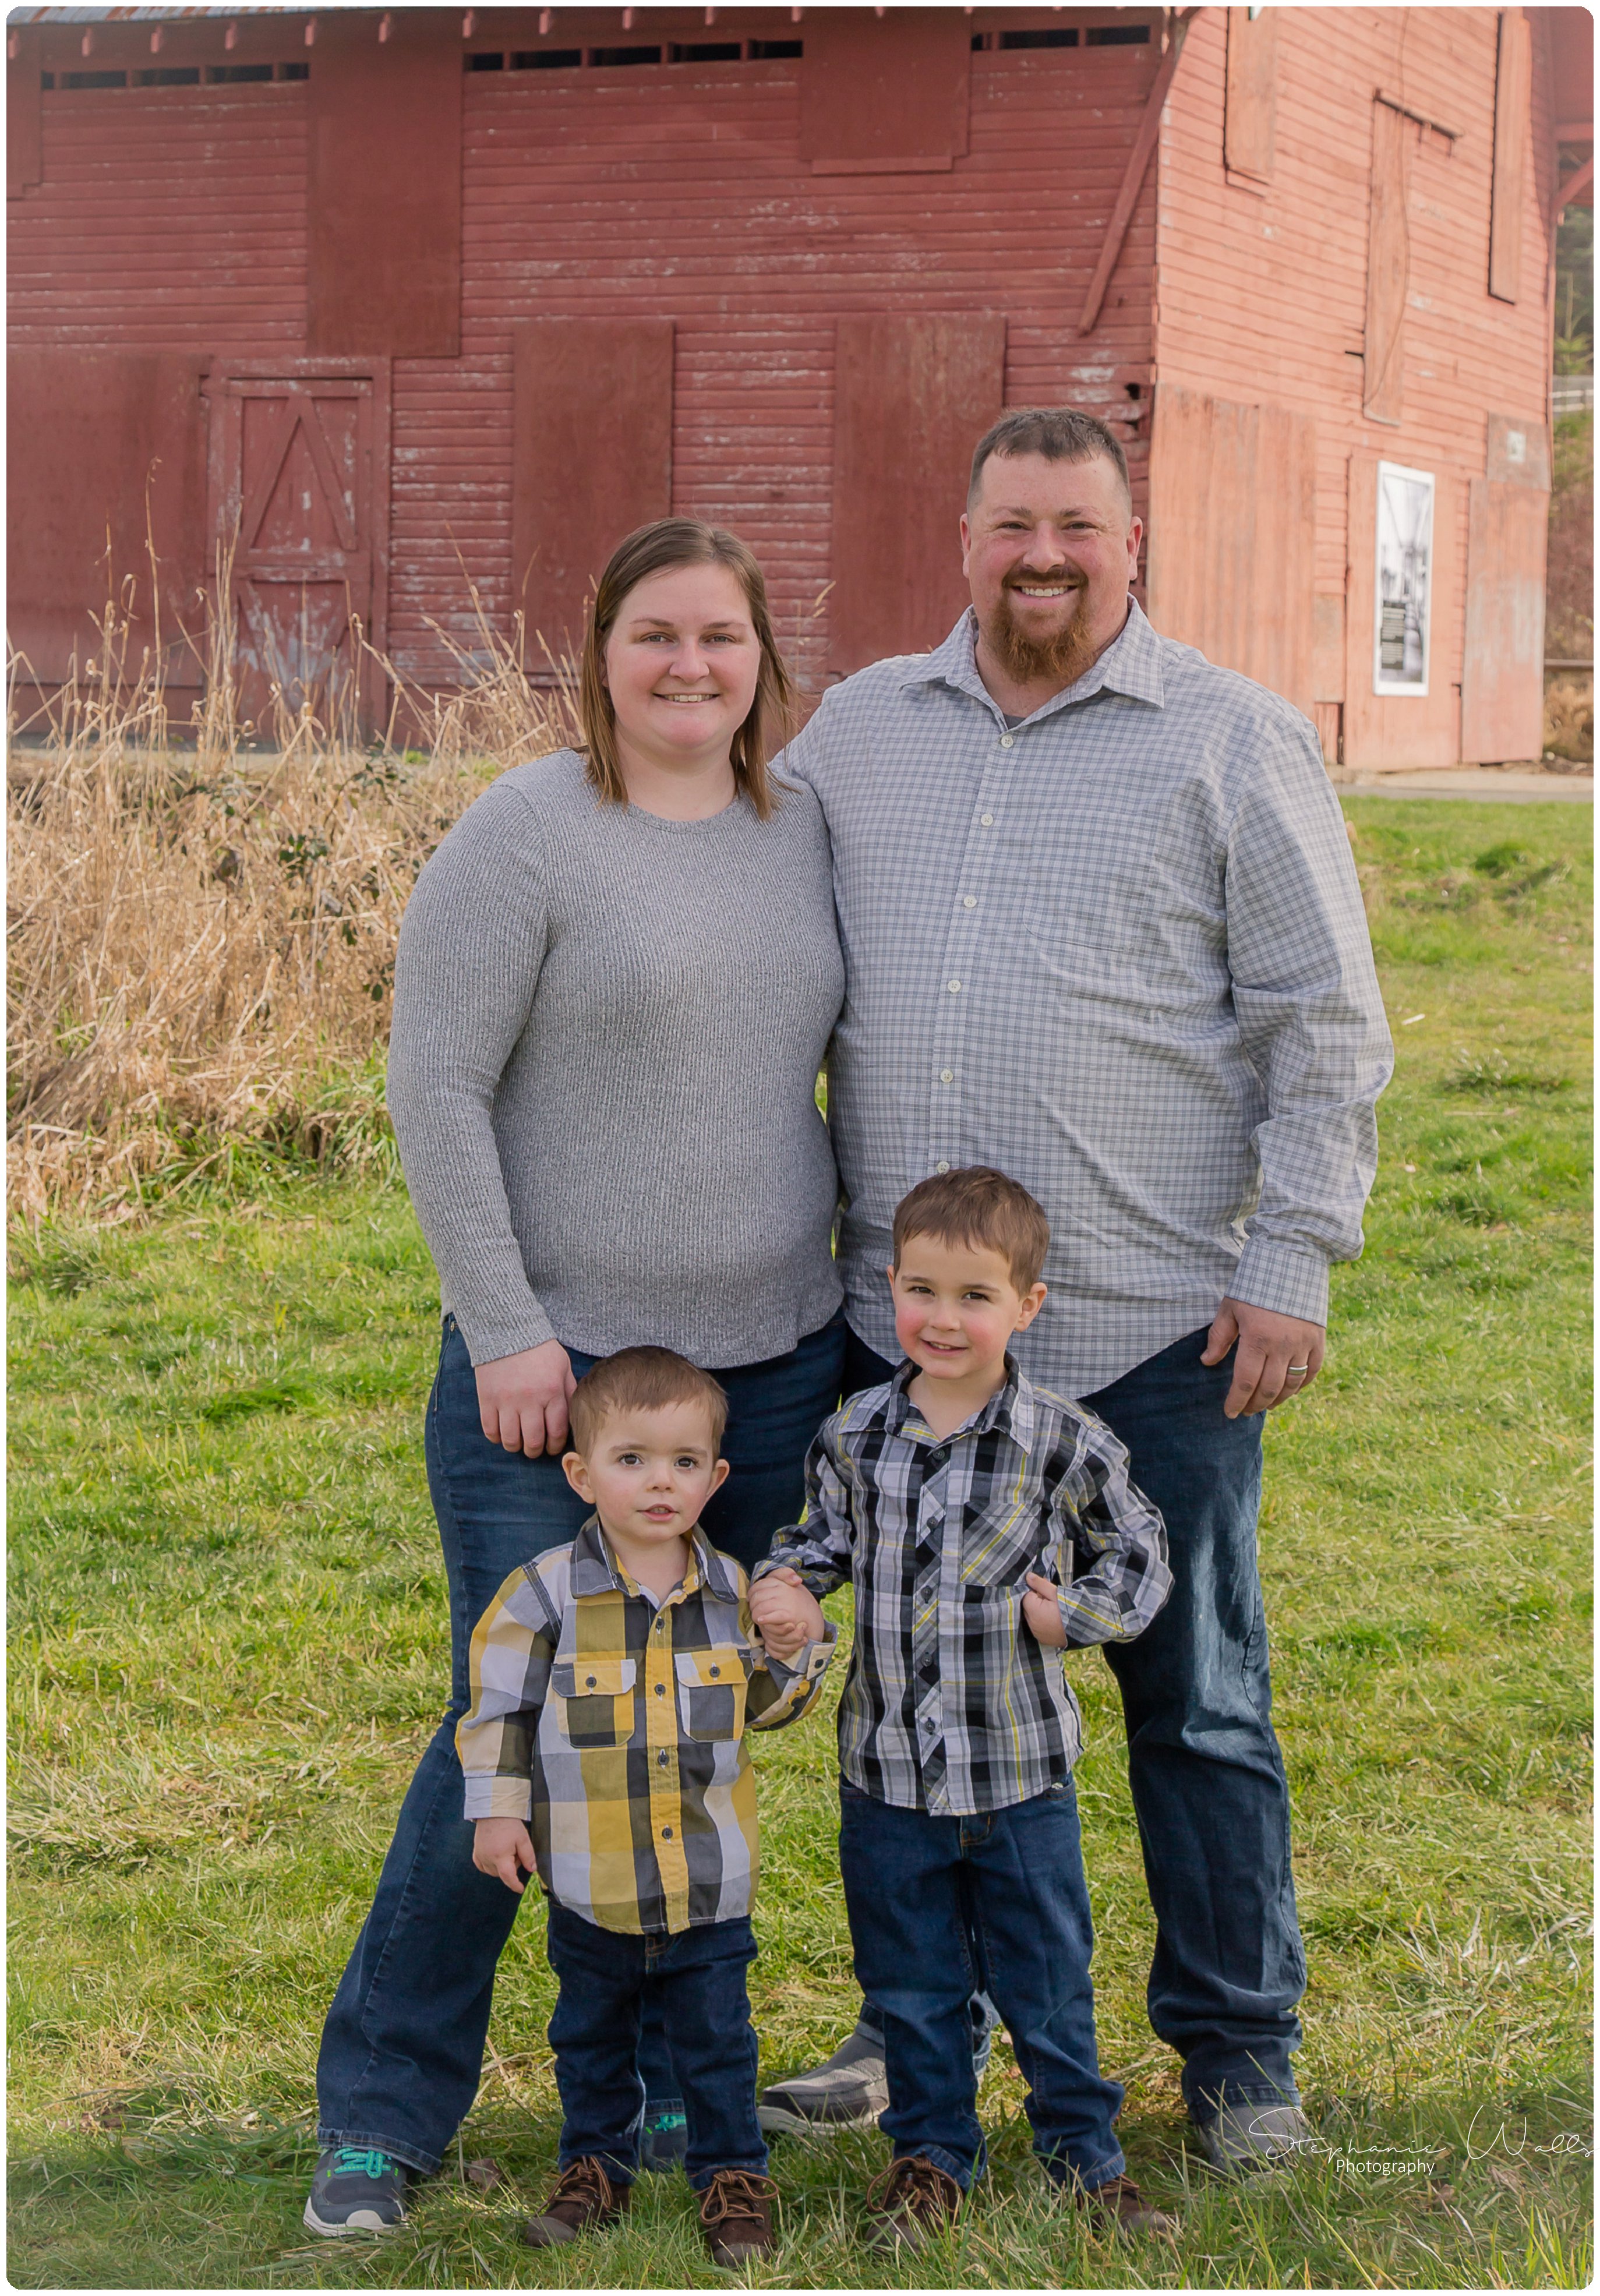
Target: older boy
{"x":961,"y":1500}
{"x":612,"y":1682}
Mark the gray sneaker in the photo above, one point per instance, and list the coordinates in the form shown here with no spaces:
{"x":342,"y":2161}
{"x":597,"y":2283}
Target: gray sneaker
{"x":1251,"y":2140}
{"x":356,"y":2189}
{"x":849,"y":2091}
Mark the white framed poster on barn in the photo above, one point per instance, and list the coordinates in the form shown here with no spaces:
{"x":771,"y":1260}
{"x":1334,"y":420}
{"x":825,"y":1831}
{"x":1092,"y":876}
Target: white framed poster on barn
{"x":1403,"y":591}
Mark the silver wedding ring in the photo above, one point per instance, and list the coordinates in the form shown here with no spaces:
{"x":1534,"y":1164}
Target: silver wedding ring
{"x":1297,"y":1367}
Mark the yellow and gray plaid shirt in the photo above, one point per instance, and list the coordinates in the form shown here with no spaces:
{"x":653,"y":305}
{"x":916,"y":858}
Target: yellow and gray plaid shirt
{"x":616,"y":1726}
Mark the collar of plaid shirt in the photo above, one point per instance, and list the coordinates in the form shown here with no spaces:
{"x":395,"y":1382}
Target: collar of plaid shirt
{"x":1131,"y":665}
{"x":596,"y":1570}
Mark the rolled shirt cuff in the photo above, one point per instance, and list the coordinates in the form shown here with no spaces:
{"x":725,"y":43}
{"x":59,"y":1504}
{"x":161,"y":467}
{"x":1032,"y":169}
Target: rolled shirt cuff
{"x":808,"y":1662}
{"x":495,"y":1796}
{"x":1283,"y":1280}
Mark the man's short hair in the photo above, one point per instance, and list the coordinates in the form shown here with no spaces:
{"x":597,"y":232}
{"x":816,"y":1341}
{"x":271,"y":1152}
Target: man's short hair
{"x":980,"y":1207}
{"x":1059,"y":433}
{"x":642,"y":1379}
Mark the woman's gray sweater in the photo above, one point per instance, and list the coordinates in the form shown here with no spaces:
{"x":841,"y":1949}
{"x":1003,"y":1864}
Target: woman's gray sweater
{"x":607,"y":1030}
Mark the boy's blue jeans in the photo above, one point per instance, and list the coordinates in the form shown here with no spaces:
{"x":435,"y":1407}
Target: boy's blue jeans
{"x":1208,"y":1781}
{"x":403,"y":2046}
{"x":943,"y":1907}
{"x":695,"y":1983}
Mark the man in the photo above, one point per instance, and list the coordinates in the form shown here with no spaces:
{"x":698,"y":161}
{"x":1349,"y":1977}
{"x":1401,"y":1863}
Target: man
{"x":1103,"y":931}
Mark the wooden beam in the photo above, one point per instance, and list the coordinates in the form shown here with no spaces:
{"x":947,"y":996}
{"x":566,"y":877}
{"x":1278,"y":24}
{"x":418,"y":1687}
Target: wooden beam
{"x":1568,"y":190}
{"x":1423,"y":119}
{"x":1133,"y":176}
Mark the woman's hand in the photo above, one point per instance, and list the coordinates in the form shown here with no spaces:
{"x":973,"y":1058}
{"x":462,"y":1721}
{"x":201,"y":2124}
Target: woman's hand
{"x":499,"y":1846}
{"x":522,"y":1399}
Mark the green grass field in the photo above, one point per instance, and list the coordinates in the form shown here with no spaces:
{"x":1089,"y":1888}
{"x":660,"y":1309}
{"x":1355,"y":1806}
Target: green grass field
{"x":229,"y":1644}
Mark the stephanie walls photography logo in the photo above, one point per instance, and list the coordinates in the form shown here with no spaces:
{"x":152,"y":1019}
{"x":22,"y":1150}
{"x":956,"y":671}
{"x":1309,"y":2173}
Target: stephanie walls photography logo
{"x":1502,"y":2140}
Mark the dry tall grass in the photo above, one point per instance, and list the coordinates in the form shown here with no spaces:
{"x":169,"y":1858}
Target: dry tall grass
{"x":202,"y":941}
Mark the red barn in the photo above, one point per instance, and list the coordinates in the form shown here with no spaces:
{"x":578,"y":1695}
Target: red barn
{"x":398,"y":307}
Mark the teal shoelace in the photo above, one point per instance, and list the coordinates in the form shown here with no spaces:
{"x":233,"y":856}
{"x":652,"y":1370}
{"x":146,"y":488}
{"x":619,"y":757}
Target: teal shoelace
{"x":354,"y":2160}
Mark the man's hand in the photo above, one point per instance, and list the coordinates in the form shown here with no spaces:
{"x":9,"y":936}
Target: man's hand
{"x":1278,"y":1356}
{"x":1041,"y":1608}
{"x":522,"y":1399}
{"x":787,"y":1615}
{"x":500,"y":1845}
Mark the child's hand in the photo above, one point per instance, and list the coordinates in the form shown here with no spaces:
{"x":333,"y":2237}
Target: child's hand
{"x":787,"y":1616}
{"x":499,"y":1846}
{"x":1041,"y":1607}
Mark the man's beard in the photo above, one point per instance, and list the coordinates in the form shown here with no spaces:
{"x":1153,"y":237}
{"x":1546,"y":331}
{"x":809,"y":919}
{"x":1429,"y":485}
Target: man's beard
{"x":1062,"y":658}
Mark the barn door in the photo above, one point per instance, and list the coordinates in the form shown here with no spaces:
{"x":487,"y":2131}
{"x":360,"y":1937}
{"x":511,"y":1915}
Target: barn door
{"x":1503,"y":658}
{"x":300,"y":516}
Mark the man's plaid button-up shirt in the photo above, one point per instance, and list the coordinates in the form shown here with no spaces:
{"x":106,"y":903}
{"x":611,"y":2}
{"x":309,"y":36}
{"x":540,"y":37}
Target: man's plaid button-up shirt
{"x":1117,"y":950}
{"x":950,"y":1704}
{"x":616,"y":1726}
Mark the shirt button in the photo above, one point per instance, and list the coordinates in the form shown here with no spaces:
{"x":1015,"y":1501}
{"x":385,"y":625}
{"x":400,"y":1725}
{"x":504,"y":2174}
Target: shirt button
{"x":988,"y":820}
{"x":660,"y":1689}
{"x":1006,"y":741}
{"x":662,"y":1758}
{"x":969,"y":903}
{"x":715,"y":1670}
{"x":941,"y":1166}
{"x":954,"y":986}
{"x":666,"y":1833}
{"x":946,"y":1076}
{"x":588,"y":1682}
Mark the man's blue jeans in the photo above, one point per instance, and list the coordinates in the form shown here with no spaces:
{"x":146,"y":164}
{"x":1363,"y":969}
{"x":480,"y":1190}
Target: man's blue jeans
{"x":1203,"y":1763}
{"x":695,"y":1982}
{"x":943,"y":1907}
{"x":403,"y":2046}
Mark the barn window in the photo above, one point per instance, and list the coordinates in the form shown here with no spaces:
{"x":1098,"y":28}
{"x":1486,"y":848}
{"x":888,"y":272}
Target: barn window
{"x":170,"y":76}
{"x":480,"y":63}
{"x":294,"y":71}
{"x":225,"y":75}
{"x":1118,"y":35}
{"x":546,"y":59}
{"x":94,"y":79}
{"x":625,"y":55}
{"x":46,"y":79}
{"x":1054,"y":39}
{"x":772,"y":51}
{"x":705,"y":52}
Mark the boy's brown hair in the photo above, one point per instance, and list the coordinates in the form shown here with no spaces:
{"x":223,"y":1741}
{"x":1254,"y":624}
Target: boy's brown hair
{"x":642,"y":1379}
{"x":981,"y":1208}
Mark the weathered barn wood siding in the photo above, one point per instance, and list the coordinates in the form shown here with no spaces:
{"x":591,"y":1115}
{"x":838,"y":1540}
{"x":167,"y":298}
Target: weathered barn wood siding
{"x":679,"y":192}
{"x":1262,"y":297}
{"x":164,"y":220}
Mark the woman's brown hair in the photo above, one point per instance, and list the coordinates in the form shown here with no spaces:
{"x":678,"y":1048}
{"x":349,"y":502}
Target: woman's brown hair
{"x":659,"y":549}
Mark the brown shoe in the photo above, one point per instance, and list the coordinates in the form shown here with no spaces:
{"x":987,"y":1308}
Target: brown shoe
{"x":1118,"y":2206}
{"x":735,"y":2215}
{"x":582,"y":2199}
{"x":910,"y":2204}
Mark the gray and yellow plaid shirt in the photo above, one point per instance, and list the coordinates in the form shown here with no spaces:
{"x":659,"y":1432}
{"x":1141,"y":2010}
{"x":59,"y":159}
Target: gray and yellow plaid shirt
{"x":616,"y":1726}
{"x":950,"y":1704}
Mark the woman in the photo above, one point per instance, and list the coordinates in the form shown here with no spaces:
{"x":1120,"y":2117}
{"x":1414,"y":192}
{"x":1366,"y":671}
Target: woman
{"x":615,"y":983}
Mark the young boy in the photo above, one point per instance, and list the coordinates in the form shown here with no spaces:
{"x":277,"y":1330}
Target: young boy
{"x":960,"y":1500}
{"x":612,"y":1683}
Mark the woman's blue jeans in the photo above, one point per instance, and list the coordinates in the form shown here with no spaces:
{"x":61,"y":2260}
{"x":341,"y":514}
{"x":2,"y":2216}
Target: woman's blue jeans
{"x":1208,"y":1781}
{"x":402,"y":2049}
